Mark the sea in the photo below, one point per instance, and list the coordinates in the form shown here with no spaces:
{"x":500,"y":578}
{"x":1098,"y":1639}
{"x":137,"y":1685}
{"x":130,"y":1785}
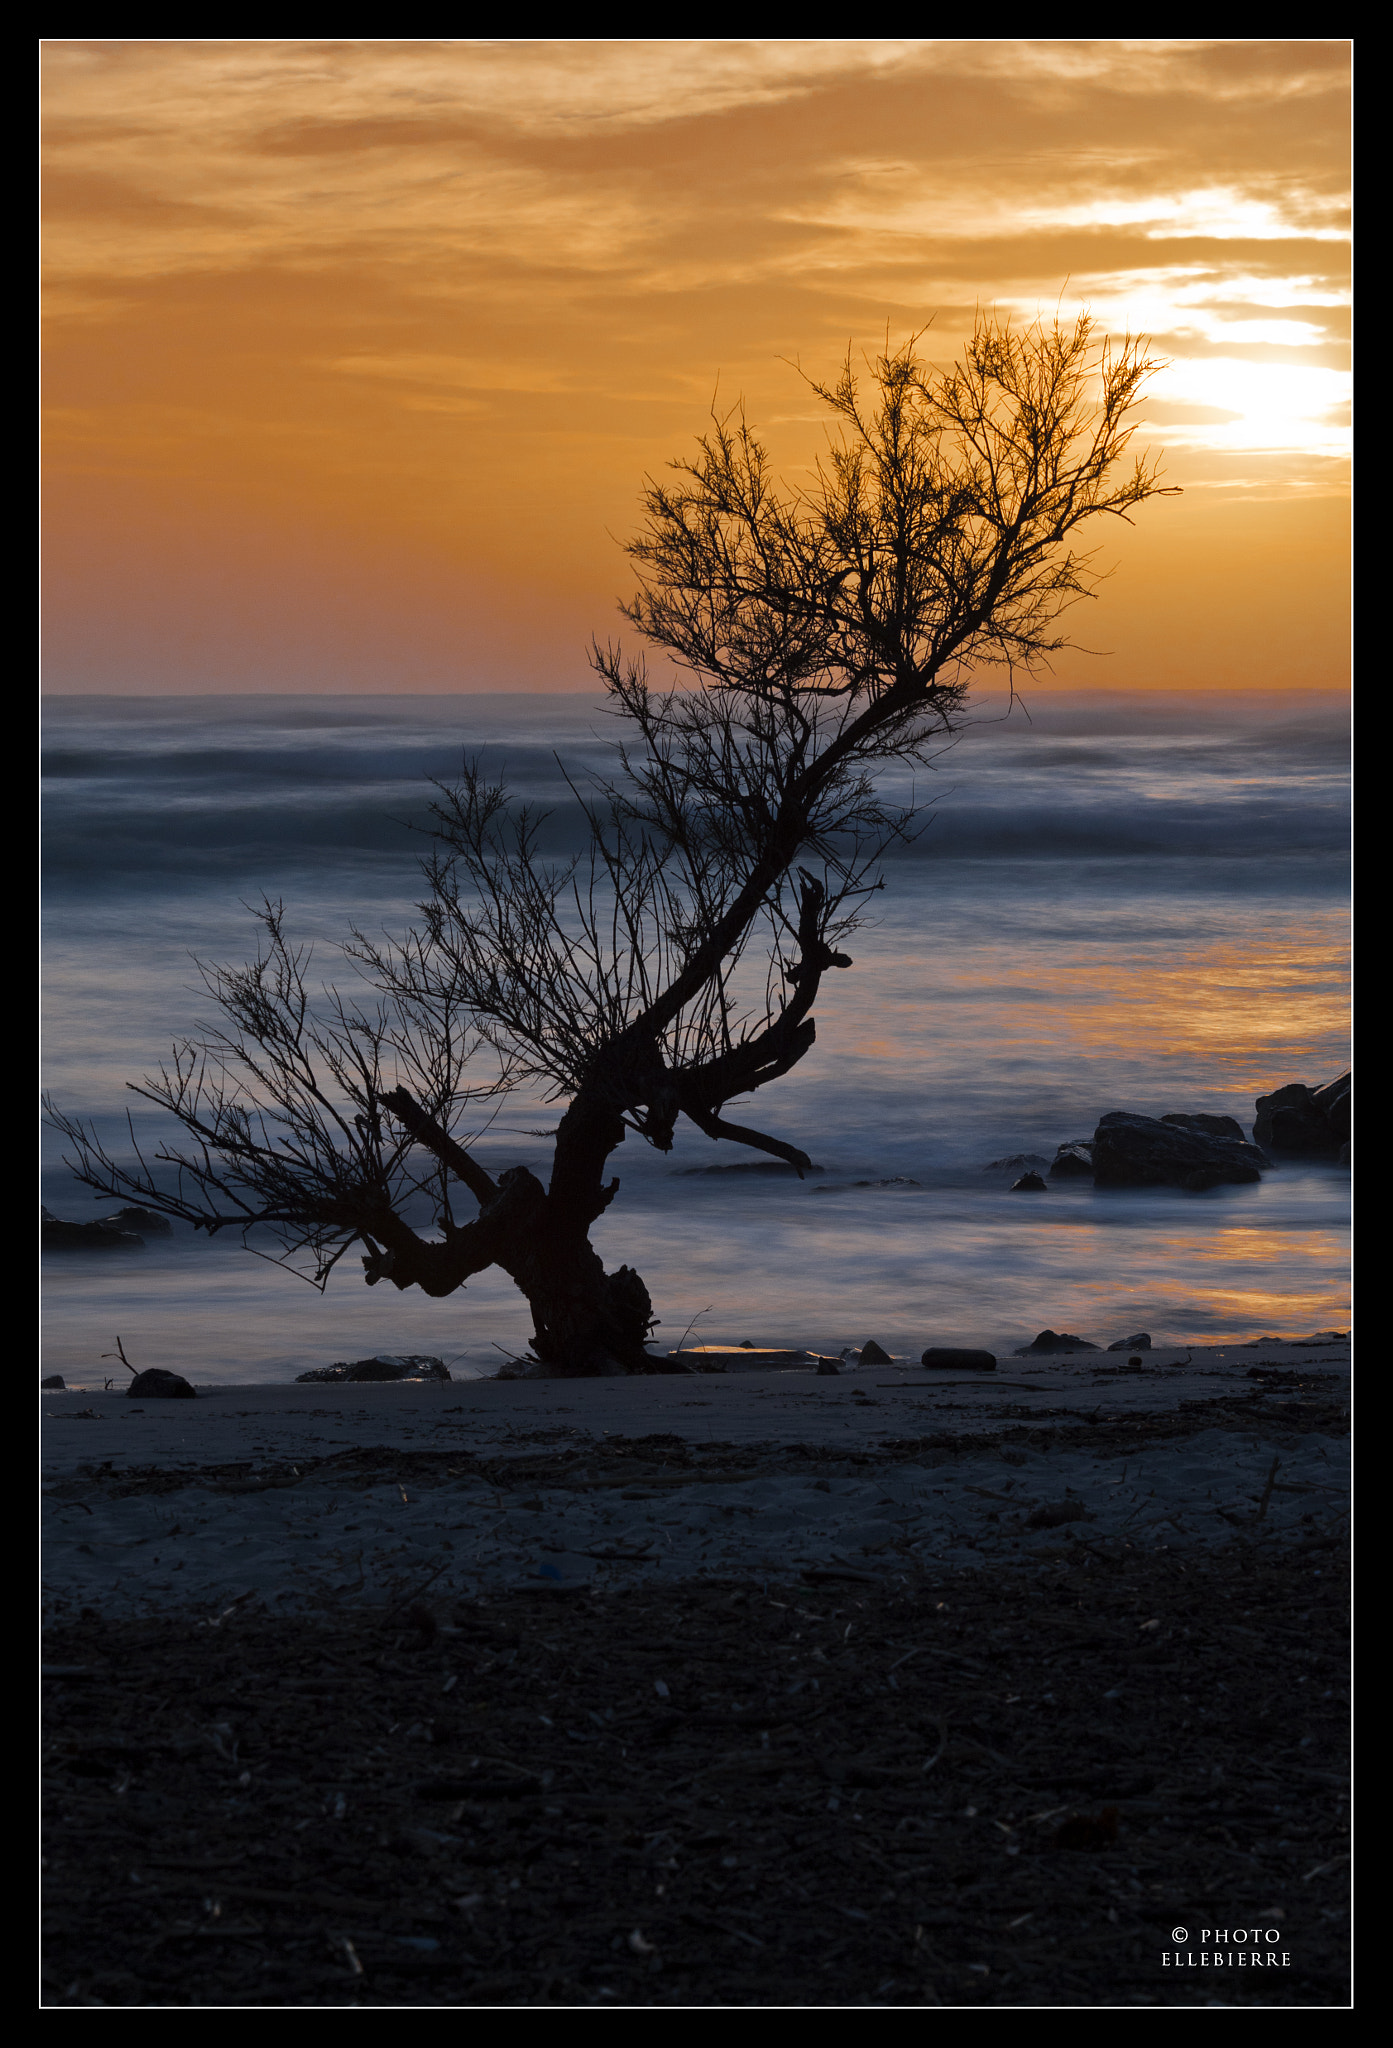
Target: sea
{"x":1116,"y":901}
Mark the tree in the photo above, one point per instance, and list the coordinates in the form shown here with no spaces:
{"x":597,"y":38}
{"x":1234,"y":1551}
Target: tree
{"x":826,"y":631}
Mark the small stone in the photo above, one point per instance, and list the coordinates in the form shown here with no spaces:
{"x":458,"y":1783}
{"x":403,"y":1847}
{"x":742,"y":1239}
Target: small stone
{"x":951,"y":1359}
{"x":1141,"y":1342}
{"x":1029,"y":1183}
{"x":157,"y":1384}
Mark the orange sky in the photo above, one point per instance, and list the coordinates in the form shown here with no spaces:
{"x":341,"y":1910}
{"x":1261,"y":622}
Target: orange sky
{"x":359,"y":351}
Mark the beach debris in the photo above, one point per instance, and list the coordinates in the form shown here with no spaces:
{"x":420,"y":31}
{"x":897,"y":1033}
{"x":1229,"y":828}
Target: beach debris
{"x":54,"y":1380}
{"x":1073,"y":1160}
{"x":872,"y":1354}
{"x":1050,"y":1342}
{"x":156,"y":1384}
{"x":57,"y":1234}
{"x":1054,"y":1514}
{"x":1087,"y":1831}
{"x":736,"y":1357}
{"x":1194,"y":1152}
{"x":1301,"y":1119}
{"x":385,"y":1366}
{"x":1267,"y":1489}
{"x":1141,"y":1342}
{"x":1029,"y":1183}
{"x":952,"y":1358}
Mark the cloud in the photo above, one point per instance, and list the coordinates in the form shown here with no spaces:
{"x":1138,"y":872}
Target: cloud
{"x":465,"y":292}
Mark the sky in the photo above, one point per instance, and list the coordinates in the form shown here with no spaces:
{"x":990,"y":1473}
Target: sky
{"x":358,"y":352}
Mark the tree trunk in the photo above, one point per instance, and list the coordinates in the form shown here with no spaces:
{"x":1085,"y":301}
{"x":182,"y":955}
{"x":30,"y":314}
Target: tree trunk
{"x":586,"y":1321}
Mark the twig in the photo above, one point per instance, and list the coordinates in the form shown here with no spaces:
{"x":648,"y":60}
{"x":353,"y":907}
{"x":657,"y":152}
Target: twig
{"x":942,"y":1745}
{"x":1267,"y":1490}
{"x":119,"y":1353}
{"x":693,"y":1323}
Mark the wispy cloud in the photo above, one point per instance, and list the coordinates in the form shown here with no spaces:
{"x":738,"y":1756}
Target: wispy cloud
{"x":465,"y":291}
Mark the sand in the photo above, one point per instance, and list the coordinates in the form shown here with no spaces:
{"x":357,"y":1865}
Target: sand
{"x":305,"y":1497}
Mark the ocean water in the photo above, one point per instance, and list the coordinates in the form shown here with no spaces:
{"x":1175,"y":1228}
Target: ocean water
{"x":1117,"y":903}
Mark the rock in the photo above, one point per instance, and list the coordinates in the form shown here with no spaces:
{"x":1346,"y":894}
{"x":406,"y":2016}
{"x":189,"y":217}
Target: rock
{"x":950,"y":1359}
{"x":1314,"y":1121}
{"x":158,"y":1385}
{"x":386,"y":1366}
{"x":871,"y":1354}
{"x":1073,"y":1160}
{"x":55,"y":1380}
{"x":58,"y":1235}
{"x":1132,"y":1151}
{"x":1051,"y":1342}
{"x":1207,"y":1126}
{"x":827,"y":1368}
{"x":1030,"y":1183}
{"x":1016,"y":1161}
{"x":1141,"y":1342}
{"x":147,"y":1220}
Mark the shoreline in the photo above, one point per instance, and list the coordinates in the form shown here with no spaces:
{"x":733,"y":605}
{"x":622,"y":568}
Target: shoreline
{"x":312,"y":1496}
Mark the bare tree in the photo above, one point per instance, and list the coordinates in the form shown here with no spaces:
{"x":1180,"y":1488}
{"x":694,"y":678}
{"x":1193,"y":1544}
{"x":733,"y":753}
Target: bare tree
{"x":671,"y":968}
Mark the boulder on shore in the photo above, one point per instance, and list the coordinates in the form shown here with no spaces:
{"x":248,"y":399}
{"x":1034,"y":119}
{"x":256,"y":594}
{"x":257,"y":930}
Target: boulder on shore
{"x":873,"y":1354}
{"x":156,"y":1384}
{"x":1132,"y":1151}
{"x":1031,"y":1183}
{"x":60,"y":1235}
{"x":386,"y":1366}
{"x":1141,"y":1342}
{"x":1050,"y":1342}
{"x":1301,"y":1119}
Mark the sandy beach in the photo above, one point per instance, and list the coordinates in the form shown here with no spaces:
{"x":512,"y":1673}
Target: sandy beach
{"x":755,"y":1689}
{"x":298,"y":1496}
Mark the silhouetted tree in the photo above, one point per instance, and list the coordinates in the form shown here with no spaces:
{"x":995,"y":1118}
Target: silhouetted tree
{"x":827,"y":631}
